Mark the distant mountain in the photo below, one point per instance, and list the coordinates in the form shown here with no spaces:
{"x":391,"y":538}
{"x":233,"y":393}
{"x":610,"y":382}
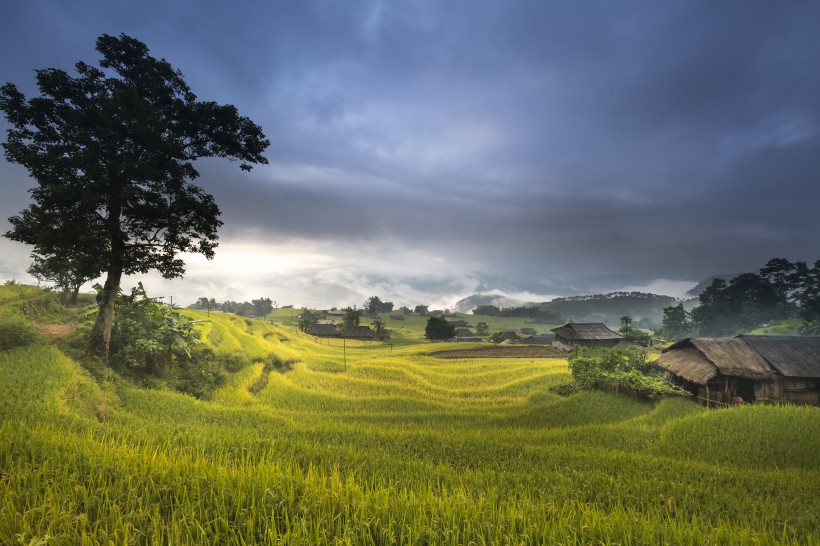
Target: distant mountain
{"x":698,"y":289}
{"x":469,"y":303}
{"x":645,"y":309}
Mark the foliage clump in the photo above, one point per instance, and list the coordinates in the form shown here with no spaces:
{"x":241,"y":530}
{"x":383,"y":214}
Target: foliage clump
{"x":157,"y":345}
{"x":620,"y":370}
{"x":15,"y":331}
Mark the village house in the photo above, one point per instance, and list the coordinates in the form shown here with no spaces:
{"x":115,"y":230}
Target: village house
{"x":746,"y":369}
{"x":465,"y":334}
{"x":587,"y":334}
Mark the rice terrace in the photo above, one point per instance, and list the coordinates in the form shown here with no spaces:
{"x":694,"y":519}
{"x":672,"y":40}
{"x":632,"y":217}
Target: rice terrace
{"x":310,"y":441}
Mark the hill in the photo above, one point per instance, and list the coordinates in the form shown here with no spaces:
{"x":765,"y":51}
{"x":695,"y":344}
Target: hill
{"x":314,"y":442}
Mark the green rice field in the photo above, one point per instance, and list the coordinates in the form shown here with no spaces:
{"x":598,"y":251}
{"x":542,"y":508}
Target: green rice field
{"x":371,"y":443}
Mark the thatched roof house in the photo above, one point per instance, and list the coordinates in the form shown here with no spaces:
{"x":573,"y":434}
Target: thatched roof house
{"x":465,"y":334}
{"x":746,"y":368}
{"x":537,"y":339}
{"x":586,"y":334}
{"x":324,"y":330}
{"x":360,"y":332}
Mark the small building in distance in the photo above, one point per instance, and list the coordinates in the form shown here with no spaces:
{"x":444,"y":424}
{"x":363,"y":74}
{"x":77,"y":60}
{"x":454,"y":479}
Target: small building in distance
{"x":746,"y":368}
{"x":537,"y":339}
{"x":324,"y":330}
{"x":359,"y":332}
{"x":587,"y":334}
{"x":465,"y":334}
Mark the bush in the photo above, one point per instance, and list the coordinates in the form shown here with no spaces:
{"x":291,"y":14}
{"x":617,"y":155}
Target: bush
{"x":15,"y":331}
{"x":616,"y":369}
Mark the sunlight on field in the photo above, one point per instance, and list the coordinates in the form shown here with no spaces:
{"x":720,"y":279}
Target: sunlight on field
{"x":366,"y":443}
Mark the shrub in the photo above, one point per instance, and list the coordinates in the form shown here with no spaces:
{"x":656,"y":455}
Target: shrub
{"x":16,"y":331}
{"x":618,"y":369}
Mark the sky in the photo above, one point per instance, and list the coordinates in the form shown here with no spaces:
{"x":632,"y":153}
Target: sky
{"x":423,"y":151}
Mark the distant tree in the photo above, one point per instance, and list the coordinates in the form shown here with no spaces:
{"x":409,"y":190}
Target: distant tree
{"x":68,"y":272}
{"x":626,"y":325}
{"x":351,"y":318}
{"x":482,"y":328}
{"x":746,"y":302}
{"x":112,"y":152}
{"x":262,"y":307}
{"x":420,"y":309}
{"x":676,"y":322}
{"x":438,"y":328}
{"x":487,"y":310}
{"x":381,"y":330}
{"x":405,"y":310}
{"x":374,"y":306}
{"x":306,"y":320}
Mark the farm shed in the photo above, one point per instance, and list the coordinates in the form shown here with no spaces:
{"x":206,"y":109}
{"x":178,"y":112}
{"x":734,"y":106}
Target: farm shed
{"x":537,"y":339}
{"x":360,"y":332}
{"x":324,"y":330}
{"x":747,"y":368}
{"x":465,"y":334}
{"x":586,"y":334}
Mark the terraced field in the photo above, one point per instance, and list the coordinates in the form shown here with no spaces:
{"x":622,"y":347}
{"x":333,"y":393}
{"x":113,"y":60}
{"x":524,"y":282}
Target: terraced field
{"x":374,"y":444}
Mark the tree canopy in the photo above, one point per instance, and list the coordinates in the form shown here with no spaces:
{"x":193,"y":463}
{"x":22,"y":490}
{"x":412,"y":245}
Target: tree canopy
{"x":438,"y":328}
{"x":112,"y":152}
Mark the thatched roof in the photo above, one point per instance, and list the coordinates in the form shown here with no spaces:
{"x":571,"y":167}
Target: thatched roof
{"x":586,"y":330}
{"x":323,"y":330}
{"x":464,"y":332}
{"x":359,"y":332}
{"x":538,"y":339}
{"x":792,"y":356}
{"x":700,"y":359}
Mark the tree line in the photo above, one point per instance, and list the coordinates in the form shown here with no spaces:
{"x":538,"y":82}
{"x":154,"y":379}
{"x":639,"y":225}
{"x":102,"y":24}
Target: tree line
{"x":255,"y":308}
{"x":780,"y":290}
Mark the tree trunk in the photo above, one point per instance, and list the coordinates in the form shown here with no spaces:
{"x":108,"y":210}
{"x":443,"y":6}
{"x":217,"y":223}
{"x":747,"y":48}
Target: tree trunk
{"x":100,"y":341}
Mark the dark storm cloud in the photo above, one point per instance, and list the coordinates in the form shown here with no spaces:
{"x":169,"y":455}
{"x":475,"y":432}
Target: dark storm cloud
{"x":583,"y":144}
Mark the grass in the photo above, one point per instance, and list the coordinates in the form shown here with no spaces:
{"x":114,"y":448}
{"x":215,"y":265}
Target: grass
{"x":401,"y":448}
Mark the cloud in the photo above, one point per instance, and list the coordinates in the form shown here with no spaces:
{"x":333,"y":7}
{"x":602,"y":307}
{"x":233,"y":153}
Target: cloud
{"x":431,"y":149}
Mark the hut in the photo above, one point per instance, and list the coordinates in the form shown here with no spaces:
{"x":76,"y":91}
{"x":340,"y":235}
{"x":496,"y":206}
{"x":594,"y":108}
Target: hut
{"x":360,"y":332}
{"x":324,"y":330}
{"x":465,"y":334}
{"x":538,"y":339}
{"x":586,"y":334}
{"x":746,"y":368}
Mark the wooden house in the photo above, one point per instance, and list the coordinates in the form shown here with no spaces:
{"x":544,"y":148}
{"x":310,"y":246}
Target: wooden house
{"x":746,"y":368}
{"x":587,"y":334}
{"x":538,"y":339}
{"x":360,"y":332}
{"x":465,"y":334}
{"x":324,"y":330}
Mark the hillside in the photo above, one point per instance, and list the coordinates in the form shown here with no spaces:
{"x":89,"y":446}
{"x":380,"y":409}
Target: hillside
{"x":315,"y":442}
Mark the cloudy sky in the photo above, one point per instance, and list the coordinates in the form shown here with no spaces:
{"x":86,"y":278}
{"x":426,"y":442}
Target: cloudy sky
{"x":426,"y":150}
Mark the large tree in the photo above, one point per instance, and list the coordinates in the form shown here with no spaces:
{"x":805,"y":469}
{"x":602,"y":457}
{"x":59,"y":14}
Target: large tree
{"x":112,"y":152}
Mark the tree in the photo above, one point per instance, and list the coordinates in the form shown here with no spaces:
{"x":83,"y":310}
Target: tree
{"x":746,"y":302}
{"x":262,"y":307}
{"x":626,"y":325}
{"x":374,"y":305}
{"x":676,"y":322}
{"x":112,"y":152}
{"x":482,"y":328}
{"x":350,"y":319}
{"x":307,"y":320}
{"x":381,"y":329}
{"x":420,"y":309}
{"x":438,"y":328}
{"x":68,"y":273}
